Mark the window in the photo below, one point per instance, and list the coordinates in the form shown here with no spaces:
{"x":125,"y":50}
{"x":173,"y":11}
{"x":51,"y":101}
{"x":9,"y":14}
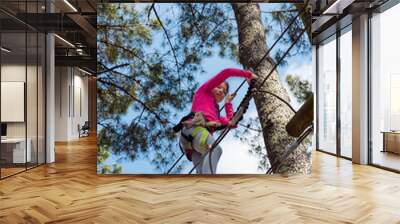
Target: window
{"x":327,"y":96}
{"x":346,"y":94}
{"x":385,"y":89}
{"x":22,"y":101}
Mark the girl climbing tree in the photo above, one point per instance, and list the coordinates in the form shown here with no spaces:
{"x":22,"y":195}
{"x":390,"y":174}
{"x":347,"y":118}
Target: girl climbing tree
{"x":160,"y":83}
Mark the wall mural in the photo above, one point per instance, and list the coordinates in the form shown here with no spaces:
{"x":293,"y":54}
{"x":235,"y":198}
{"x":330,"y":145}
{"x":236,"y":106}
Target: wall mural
{"x":159,"y":62}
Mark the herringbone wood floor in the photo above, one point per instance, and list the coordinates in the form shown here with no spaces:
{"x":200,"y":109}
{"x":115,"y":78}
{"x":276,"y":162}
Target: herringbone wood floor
{"x":70,"y":191}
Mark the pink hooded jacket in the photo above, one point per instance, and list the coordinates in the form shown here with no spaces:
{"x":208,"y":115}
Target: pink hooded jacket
{"x":203,"y":99}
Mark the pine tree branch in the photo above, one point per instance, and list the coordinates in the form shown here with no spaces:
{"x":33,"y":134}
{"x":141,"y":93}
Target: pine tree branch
{"x":194,"y":16}
{"x":202,"y":10}
{"x":149,"y":12}
{"x":112,"y":68}
{"x":138,"y":119}
{"x":127,"y":50}
{"x":121,"y":74}
{"x":144,"y":105}
{"x":169,"y":40}
{"x":215,"y":28}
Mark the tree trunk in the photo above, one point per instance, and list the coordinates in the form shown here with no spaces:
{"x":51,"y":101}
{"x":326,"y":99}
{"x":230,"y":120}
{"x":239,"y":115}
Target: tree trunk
{"x":273,"y":114}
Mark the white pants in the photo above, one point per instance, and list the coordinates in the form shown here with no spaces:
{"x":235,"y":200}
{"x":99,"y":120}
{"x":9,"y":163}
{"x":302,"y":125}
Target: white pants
{"x":204,"y":163}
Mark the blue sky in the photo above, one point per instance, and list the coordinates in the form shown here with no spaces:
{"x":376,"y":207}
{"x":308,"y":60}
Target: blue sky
{"x":235,"y":157}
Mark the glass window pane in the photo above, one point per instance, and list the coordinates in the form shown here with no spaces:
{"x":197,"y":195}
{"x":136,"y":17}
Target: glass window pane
{"x":13,"y":86}
{"x":22,"y":88}
{"x":385,"y":84}
{"x":41,"y":98}
{"x":327,"y":97}
{"x":346,"y":94}
{"x":31,"y":97}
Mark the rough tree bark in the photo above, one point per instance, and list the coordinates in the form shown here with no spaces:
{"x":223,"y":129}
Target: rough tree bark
{"x":273,"y":114}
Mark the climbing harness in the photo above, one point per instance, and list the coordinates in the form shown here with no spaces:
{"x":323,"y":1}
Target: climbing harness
{"x":201,"y":128}
{"x":238,"y":115}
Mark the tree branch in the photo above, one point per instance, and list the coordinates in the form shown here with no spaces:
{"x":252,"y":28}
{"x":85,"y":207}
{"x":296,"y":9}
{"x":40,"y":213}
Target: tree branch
{"x":120,"y":26}
{"x":281,"y":11}
{"x":194,"y":16}
{"x":279,"y":98}
{"x":126,"y":49}
{"x":169,"y":40}
{"x":137,"y":100}
{"x":216,"y":26}
{"x":250,"y":128}
{"x":121,"y":74}
{"x":202,"y":10}
{"x":149,"y":12}
{"x":112,"y":68}
{"x":138,"y":118}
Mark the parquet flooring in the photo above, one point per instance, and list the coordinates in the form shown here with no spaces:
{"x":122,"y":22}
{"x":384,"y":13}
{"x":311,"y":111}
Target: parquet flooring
{"x":70,"y":191}
{"x":10,"y":171}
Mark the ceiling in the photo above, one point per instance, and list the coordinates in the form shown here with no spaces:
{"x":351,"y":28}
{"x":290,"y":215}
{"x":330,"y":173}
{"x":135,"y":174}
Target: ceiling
{"x":332,"y":15}
{"x":74,"y":22}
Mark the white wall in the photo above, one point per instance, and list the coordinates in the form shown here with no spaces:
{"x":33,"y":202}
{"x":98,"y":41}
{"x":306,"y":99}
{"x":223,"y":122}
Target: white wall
{"x":61,"y":103}
{"x":12,"y":73}
{"x":80,"y":110}
{"x":71,"y":94}
{"x":17,"y":73}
